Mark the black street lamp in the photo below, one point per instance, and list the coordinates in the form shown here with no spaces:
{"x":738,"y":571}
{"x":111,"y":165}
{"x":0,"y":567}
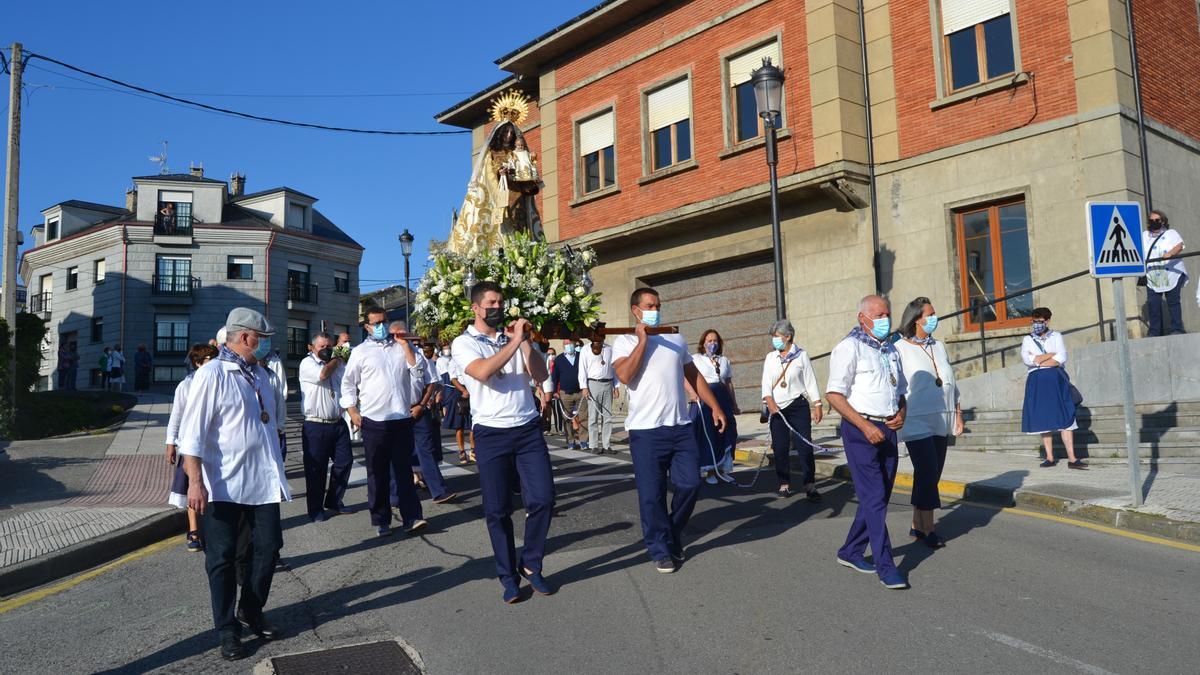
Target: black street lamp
{"x":406,"y":242}
{"x":768,"y":93}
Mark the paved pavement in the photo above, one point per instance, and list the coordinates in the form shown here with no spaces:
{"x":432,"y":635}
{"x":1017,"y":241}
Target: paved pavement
{"x":759,"y":593}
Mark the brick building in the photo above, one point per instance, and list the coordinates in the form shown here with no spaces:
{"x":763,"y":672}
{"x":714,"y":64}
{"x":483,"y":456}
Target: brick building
{"x":994,"y":122}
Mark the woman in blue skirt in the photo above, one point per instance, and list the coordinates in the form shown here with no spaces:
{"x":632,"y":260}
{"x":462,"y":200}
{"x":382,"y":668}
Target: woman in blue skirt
{"x":716,"y":449}
{"x":456,"y":416}
{"x":1048,"y":406}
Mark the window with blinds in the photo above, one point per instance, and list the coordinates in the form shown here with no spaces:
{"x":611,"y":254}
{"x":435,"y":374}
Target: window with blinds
{"x":597,"y":152}
{"x":745,"y":123}
{"x":977,"y":41}
{"x":668,"y":119}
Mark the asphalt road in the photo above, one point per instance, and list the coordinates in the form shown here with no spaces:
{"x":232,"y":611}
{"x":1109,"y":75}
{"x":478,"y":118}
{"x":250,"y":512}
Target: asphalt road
{"x":759,"y":593}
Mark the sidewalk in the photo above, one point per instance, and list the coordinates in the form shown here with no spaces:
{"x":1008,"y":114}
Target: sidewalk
{"x":1170,"y":487}
{"x":121,"y":505}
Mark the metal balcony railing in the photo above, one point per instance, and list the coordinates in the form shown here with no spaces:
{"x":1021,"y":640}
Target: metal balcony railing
{"x":302,"y":292}
{"x":176,"y":225}
{"x":176,"y":285}
{"x":40,"y":303}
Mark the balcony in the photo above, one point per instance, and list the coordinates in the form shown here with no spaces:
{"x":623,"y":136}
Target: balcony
{"x":176,"y":229}
{"x":40,"y":303}
{"x":300,"y":294}
{"x":173,"y":289}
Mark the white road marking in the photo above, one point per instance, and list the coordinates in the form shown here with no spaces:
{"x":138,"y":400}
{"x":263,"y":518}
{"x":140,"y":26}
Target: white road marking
{"x":593,"y":479}
{"x":587,"y":457}
{"x":1043,"y":652}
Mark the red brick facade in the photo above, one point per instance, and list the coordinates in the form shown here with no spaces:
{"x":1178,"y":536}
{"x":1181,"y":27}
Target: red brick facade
{"x":1168,"y":36}
{"x":1045,"y":46}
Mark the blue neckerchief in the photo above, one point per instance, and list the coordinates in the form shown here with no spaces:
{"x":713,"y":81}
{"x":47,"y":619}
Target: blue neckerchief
{"x":382,"y":341}
{"x":927,"y":342}
{"x":883,"y":347}
{"x":1040,"y":336}
{"x":792,"y":355}
{"x":500,"y":341}
{"x":227,"y":354}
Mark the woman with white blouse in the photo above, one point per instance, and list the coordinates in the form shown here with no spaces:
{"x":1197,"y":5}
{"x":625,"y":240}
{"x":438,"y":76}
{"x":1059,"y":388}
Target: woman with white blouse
{"x":933,"y":415}
{"x":1048,"y":406}
{"x":716,"y":448}
{"x":789,"y":390}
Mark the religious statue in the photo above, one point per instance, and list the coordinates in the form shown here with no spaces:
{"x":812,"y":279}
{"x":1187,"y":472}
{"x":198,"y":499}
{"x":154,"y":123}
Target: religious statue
{"x":501,"y":194}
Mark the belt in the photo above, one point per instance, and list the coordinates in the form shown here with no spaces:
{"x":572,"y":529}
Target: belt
{"x":600,"y":379}
{"x":322,"y":420}
{"x":874,"y":418}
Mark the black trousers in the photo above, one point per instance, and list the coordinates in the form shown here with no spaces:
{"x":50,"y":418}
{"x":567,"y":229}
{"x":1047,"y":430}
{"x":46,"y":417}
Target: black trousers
{"x":222,"y":523}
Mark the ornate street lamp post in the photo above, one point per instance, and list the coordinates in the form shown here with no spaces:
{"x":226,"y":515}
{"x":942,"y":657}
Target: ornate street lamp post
{"x":406,"y":242}
{"x":768,"y":93}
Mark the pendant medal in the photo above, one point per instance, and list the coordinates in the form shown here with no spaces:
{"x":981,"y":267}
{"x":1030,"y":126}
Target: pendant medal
{"x":938,"y":382}
{"x":893,"y":378}
{"x":265,"y":417}
{"x":783,"y":385}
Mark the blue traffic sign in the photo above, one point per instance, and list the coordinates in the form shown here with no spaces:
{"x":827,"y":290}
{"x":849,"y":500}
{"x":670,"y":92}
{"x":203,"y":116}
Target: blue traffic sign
{"x":1115,"y":239}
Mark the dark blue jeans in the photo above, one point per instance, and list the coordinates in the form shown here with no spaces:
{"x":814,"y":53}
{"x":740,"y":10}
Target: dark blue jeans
{"x":221,"y":524}
{"x":1154,"y":311}
{"x":323,"y":443}
{"x":388,"y":446}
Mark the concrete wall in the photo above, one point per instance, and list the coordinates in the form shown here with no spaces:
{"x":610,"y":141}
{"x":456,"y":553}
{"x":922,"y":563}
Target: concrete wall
{"x":1174,"y":169}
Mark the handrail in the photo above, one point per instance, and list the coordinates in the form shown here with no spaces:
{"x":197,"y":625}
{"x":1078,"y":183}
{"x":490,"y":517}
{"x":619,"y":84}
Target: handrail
{"x":980,"y":305}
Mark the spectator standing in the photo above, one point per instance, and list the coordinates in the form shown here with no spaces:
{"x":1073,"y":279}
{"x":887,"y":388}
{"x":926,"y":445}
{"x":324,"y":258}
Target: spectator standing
{"x":142,"y":365}
{"x":1165,"y":276}
{"x":1048,"y":407}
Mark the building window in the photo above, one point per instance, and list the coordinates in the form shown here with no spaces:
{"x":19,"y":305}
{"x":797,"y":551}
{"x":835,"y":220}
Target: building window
{"x":169,"y":373}
{"x":72,"y":278}
{"x":240,"y":267}
{"x":341,"y":282}
{"x":597,"y":152}
{"x":97,"y":329}
{"x":993,"y":251}
{"x":668,"y":119}
{"x":978,"y":41}
{"x":745,"y":124}
{"x":174,"y":275}
{"x":299,"y":288}
{"x":171,"y":334}
{"x":98,"y":271}
{"x":297,"y":215}
{"x":297,"y":339}
{"x":52,"y":230}
{"x":174,"y":215}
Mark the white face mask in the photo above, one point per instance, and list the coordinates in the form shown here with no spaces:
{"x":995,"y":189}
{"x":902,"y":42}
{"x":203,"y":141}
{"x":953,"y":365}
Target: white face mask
{"x":445,"y":352}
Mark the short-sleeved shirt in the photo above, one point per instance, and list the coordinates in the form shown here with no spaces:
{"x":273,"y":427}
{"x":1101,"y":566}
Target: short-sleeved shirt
{"x":505,"y":400}
{"x":713,"y":373}
{"x":864,"y":375}
{"x":656,"y":395}
{"x":1164,"y":275}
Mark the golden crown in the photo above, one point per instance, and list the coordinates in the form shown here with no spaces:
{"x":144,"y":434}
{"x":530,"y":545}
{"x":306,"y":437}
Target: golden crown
{"x":511,"y":106}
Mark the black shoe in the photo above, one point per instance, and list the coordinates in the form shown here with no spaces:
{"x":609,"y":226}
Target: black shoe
{"x":259,"y":627}
{"x":1047,"y":463}
{"x":231,"y":648}
{"x":813,"y":496}
{"x":1077,"y":464}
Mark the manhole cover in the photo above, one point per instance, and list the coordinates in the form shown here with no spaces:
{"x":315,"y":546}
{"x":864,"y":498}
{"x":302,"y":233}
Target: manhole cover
{"x":382,"y":658}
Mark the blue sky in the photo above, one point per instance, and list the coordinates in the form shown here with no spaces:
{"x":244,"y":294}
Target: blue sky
{"x":80,"y":143}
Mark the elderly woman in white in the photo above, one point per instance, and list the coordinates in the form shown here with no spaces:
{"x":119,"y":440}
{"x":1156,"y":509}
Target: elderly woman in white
{"x":789,"y":390}
{"x":933,"y":412}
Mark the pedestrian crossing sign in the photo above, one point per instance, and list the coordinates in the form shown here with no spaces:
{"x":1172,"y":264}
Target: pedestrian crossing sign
{"x":1115,"y":239}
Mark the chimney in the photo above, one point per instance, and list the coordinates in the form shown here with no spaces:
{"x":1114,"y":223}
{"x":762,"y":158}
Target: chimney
{"x":197,"y":171}
{"x":237,"y":185}
{"x":131,"y":200}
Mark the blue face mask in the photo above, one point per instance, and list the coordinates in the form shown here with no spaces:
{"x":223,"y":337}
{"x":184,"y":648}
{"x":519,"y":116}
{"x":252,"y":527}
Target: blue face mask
{"x":778,"y":343}
{"x":711,"y":349}
{"x":263,"y":350}
{"x":1039,"y":327}
{"x":931,"y":323}
{"x":569,"y":349}
{"x":881,"y":327}
{"x":378,"y":331}
{"x":650,"y":317}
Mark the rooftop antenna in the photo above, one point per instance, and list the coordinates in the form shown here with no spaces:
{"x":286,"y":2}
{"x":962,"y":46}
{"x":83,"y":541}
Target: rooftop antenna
{"x":162,"y":160}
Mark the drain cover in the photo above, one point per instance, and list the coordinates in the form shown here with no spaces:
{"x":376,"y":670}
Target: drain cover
{"x":383,"y":658}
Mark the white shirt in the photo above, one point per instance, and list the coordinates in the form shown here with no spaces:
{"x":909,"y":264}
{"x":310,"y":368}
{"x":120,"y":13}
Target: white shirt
{"x":800,"y":380}
{"x":656,"y":395}
{"x":505,"y":400}
{"x":1051,"y":343}
{"x":929,"y":409}
{"x":443,"y":366}
{"x":1164,"y":275}
{"x":865,"y":377}
{"x":593,"y":367}
{"x":710,"y":371}
{"x":177,"y":405}
{"x":275,"y":365}
{"x":239,"y":454}
{"x":378,"y":381}
{"x":428,"y":376}
{"x":319,"y":398}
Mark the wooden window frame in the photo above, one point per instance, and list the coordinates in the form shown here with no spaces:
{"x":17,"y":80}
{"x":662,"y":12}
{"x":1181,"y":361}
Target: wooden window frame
{"x":980,"y":59}
{"x":1002,"y":320}
{"x":600,"y":162}
{"x":673,"y":134}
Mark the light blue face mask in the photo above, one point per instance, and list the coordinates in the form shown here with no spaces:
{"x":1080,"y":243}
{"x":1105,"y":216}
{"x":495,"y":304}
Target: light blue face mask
{"x":778,"y":343}
{"x":379,"y":331}
{"x":263,"y":350}
{"x":931,"y":324}
{"x":881,"y":327}
{"x":650,"y":317}
{"x":569,"y":349}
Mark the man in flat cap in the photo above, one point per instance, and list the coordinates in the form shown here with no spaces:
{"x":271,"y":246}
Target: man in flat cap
{"x":229,"y":439}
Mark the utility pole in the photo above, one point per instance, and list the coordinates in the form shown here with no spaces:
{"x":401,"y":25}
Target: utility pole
{"x":17,"y":64}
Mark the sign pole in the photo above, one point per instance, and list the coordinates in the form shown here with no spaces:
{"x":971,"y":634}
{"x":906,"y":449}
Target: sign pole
{"x":1123,"y":362}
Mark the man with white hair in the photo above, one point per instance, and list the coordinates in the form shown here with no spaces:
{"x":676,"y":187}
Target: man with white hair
{"x":229,"y":440}
{"x":867,"y":388}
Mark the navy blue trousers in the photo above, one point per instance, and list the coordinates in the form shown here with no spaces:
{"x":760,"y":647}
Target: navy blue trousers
{"x":658,"y":455}
{"x":928,"y":457}
{"x":427,"y":439}
{"x":388,"y":447}
{"x":499,"y":454}
{"x":1174,"y":316}
{"x":873,"y":469}
{"x":321,"y":444}
{"x":223,"y":524}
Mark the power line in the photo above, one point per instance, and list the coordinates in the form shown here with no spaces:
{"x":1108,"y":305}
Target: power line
{"x":226,"y":111}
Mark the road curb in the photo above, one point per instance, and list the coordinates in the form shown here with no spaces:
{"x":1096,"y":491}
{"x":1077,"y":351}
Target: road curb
{"x":1115,"y":517}
{"x":87,"y":554}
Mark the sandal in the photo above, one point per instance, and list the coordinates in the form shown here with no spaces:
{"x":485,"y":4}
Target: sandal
{"x":462,"y":457}
{"x":784,"y":492}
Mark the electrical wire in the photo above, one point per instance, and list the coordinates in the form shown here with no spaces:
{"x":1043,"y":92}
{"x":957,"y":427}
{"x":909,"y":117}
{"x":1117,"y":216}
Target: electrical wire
{"x":235,"y":113}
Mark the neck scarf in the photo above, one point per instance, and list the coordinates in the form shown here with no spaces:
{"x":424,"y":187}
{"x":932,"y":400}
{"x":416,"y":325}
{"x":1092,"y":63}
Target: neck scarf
{"x":883,"y":347}
{"x":500,"y":341}
{"x":927,"y":342}
{"x":792,"y":354}
{"x":227,"y":354}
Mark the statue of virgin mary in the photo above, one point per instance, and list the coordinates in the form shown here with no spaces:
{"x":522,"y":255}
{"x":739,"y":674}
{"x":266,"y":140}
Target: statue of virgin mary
{"x":501,"y":194}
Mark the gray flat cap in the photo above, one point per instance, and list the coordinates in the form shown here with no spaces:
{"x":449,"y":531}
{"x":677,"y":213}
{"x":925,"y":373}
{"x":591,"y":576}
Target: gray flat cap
{"x":244,"y":318}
